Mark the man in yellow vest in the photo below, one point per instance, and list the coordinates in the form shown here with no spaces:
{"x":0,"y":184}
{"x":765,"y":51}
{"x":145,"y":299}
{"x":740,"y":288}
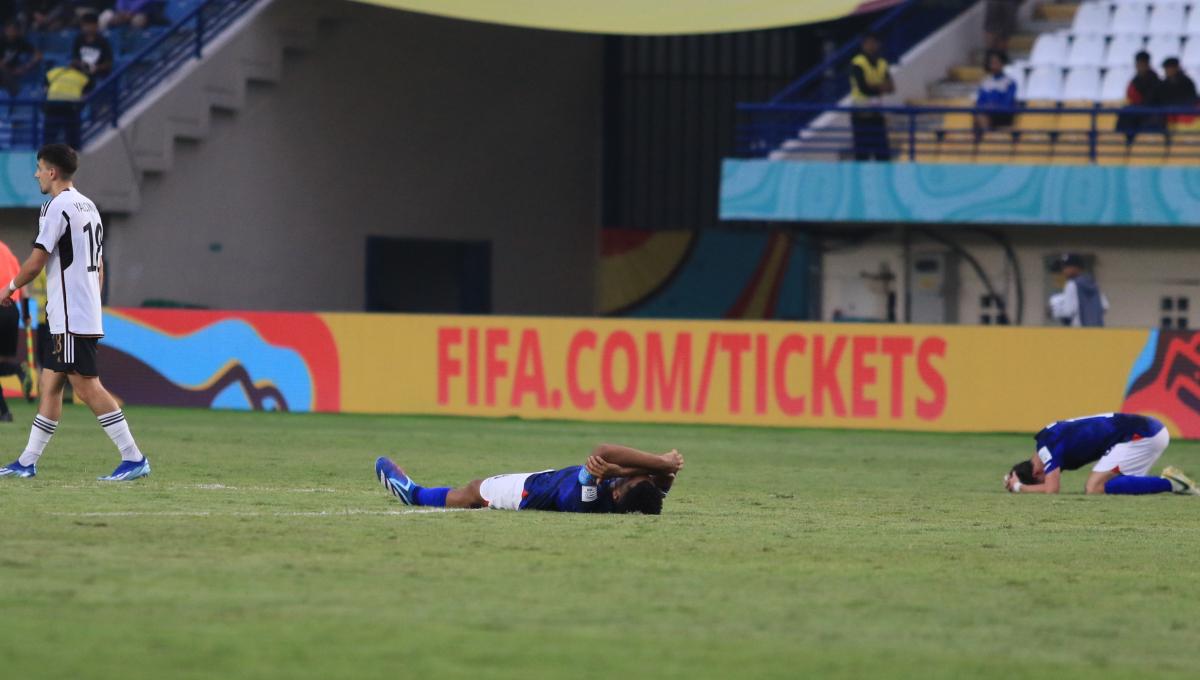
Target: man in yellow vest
{"x":64,"y":89}
{"x":869,"y":81}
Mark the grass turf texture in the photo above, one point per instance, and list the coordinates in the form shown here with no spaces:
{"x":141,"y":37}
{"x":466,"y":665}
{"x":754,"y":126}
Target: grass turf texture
{"x":262,"y":547}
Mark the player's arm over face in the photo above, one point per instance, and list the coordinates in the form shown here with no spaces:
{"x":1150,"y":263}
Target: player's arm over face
{"x":1048,"y":485}
{"x":613,"y":460}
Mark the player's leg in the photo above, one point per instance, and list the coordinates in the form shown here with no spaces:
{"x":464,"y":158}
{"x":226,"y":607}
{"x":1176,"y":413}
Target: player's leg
{"x":80,"y":353}
{"x":1128,"y":465}
{"x":44,"y":425}
{"x":400,"y":485}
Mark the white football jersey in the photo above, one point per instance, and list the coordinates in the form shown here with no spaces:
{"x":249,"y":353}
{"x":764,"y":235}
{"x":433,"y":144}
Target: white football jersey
{"x":71,"y":231}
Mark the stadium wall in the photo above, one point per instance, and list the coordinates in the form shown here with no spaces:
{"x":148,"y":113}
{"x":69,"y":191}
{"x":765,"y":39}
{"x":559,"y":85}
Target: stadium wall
{"x":398,"y":125}
{"x":1136,"y":267}
{"x":932,"y":378}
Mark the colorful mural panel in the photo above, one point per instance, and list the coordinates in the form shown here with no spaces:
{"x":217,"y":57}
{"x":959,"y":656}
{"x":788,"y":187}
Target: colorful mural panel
{"x":239,"y":360}
{"x":1165,"y":380}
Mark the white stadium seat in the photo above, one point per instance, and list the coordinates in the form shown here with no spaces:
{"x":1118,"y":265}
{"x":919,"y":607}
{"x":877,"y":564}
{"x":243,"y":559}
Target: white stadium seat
{"x":1086,"y":50}
{"x":1082,"y":84}
{"x":1116,"y":81}
{"x":1050,"y":48}
{"x":1045,"y":82}
{"x":1191,"y":51}
{"x":1016,"y":71}
{"x":1161,"y":47}
{"x":1123,"y":48}
{"x":1193,"y":22}
{"x":1167,"y":17}
{"x":1092,"y":18}
{"x":1130,"y":18}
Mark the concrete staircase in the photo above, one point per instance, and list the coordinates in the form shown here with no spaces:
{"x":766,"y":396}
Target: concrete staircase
{"x":250,"y":51}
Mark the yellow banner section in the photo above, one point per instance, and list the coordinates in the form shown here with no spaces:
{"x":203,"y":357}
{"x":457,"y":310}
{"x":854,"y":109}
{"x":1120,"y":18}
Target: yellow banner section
{"x":748,"y":373}
{"x":639,"y":17}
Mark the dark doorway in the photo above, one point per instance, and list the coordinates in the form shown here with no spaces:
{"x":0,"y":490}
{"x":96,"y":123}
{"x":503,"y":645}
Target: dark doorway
{"x":429,"y":276}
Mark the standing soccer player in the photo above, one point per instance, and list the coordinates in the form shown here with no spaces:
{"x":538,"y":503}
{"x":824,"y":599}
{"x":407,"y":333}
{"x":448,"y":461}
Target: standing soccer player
{"x":69,"y":246}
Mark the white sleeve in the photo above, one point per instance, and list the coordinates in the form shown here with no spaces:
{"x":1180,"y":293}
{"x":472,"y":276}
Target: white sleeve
{"x":1070,"y":302}
{"x":51,"y":228}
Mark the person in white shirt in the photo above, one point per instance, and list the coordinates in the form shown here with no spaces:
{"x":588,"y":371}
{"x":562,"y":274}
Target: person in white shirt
{"x":70,"y":246}
{"x":1080,"y":303}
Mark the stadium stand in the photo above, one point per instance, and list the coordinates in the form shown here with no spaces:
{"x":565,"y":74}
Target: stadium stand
{"x":1079,"y":64}
{"x":143,"y":59}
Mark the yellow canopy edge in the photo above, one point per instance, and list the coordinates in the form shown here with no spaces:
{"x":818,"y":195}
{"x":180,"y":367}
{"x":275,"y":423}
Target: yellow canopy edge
{"x":641,"y":17}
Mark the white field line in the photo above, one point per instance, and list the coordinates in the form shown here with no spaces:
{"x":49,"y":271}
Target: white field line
{"x":206,"y":513}
{"x":222,"y":487}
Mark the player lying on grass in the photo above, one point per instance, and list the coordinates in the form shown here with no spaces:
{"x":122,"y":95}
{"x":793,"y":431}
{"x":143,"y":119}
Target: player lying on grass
{"x":614,"y":479}
{"x":1123,"y":445}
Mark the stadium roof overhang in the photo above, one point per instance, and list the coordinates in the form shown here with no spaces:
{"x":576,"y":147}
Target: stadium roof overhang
{"x":640,"y":17}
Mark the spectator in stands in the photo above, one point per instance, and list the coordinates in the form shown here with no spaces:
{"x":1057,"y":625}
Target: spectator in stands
{"x":65,"y":86}
{"x":1176,"y":88}
{"x":1080,"y":303}
{"x":18,"y":57}
{"x":136,"y":14}
{"x":997,"y":91}
{"x":999,"y":23}
{"x":46,"y":15}
{"x":869,"y":81}
{"x":1141,"y":93}
{"x":92,"y":53}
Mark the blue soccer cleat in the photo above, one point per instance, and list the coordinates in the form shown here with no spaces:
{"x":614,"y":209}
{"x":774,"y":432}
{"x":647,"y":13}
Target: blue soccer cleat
{"x":128,"y":471}
{"x":15,"y":469}
{"x":395,"y":481}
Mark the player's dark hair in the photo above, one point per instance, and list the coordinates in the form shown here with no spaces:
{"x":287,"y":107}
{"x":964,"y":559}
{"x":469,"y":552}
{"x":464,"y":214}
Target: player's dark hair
{"x":642,"y":497}
{"x":60,"y":156}
{"x":1024,"y":472}
{"x":1142,"y":57}
{"x":89,"y":18}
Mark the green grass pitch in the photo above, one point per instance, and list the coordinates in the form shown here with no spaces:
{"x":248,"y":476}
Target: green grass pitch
{"x":262,"y":547}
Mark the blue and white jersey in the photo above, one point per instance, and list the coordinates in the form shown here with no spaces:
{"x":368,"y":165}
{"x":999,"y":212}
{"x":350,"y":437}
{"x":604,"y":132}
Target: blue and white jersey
{"x":1071,"y":444}
{"x":997,"y":92}
{"x":567,"y":490}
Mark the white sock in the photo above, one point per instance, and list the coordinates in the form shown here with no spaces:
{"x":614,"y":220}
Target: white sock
{"x":39,"y":436}
{"x":118,"y":431}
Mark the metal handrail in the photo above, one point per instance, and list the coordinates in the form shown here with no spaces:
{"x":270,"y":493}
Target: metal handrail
{"x":116,"y":94}
{"x":841,"y":55}
{"x":760,"y":136}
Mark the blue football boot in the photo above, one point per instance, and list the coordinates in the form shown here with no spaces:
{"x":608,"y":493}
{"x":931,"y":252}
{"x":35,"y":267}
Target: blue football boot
{"x":128,"y":471}
{"x":15,"y":469}
{"x":395,"y":481}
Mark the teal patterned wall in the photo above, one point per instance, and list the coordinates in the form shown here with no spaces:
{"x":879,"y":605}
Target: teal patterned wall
{"x":18,"y":188}
{"x":989,"y":194}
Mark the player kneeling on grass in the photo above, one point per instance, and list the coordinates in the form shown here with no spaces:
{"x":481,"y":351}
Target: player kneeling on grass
{"x":1123,"y":445}
{"x":615,"y":479}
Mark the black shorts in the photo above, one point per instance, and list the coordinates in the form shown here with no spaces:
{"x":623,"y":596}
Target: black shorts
{"x":10,"y":320}
{"x":72,"y":354}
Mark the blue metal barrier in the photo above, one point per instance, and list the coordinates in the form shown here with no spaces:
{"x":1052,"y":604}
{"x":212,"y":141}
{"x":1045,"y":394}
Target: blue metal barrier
{"x":30,"y":122}
{"x":949,"y":133}
{"x":900,"y":29}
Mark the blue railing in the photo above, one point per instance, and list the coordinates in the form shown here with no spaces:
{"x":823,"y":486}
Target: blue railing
{"x":900,"y":29}
{"x":949,"y":133}
{"x":31,"y":121}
